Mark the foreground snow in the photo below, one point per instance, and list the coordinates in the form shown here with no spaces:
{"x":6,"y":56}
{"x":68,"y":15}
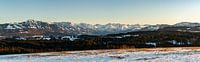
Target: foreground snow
{"x":185,"y":54}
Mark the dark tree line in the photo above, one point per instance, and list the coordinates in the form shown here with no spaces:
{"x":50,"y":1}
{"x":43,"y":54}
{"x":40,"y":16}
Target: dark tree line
{"x":112,"y":41}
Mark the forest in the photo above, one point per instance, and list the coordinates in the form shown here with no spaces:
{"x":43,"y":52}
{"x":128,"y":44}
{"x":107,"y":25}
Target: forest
{"x":139,"y":39}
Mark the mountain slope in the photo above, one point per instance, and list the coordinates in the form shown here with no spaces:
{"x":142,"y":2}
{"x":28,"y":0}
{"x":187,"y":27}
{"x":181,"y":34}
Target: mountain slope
{"x":38,"y":27}
{"x":69,"y":28}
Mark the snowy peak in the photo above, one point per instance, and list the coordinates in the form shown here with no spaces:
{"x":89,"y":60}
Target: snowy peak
{"x":34,"y":24}
{"x":84,"y":28}
{"x":10,"y":27}
{"x":187,"y":24}
{"x":73,"y":28}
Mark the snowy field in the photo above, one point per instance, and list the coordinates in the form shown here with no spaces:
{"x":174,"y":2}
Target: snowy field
{"x":184,"y":54}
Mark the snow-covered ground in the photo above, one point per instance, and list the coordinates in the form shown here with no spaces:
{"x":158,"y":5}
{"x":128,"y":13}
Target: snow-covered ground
{"x":184,"y":54}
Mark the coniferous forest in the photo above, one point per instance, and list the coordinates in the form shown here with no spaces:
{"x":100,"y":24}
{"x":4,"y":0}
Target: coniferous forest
{"x":140,"y":39}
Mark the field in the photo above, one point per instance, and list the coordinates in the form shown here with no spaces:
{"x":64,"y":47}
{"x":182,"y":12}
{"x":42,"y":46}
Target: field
{"x":173,"y":54}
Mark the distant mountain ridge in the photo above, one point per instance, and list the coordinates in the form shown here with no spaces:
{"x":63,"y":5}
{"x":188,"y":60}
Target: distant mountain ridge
{"x":38,"y":27}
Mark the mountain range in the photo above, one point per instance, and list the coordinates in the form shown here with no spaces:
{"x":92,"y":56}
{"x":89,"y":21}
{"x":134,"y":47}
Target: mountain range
{"x":33,"y":27}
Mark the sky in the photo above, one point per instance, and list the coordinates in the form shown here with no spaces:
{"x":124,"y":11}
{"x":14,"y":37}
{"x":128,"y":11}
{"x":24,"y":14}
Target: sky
{"x":101,"y":11}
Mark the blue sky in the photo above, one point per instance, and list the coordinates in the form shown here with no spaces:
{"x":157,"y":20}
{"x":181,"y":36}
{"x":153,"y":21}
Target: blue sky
{"x":101,"y":11}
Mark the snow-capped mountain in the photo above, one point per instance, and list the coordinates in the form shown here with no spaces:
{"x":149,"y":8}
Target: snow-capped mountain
{"x":70,"y":28}
{"x":187,"y":24}
{"x":39,"y":27}
{"x":34,"y":24}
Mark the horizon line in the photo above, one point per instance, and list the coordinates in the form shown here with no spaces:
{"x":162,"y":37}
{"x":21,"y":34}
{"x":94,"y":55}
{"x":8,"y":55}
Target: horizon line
{"x":96,"y":23}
